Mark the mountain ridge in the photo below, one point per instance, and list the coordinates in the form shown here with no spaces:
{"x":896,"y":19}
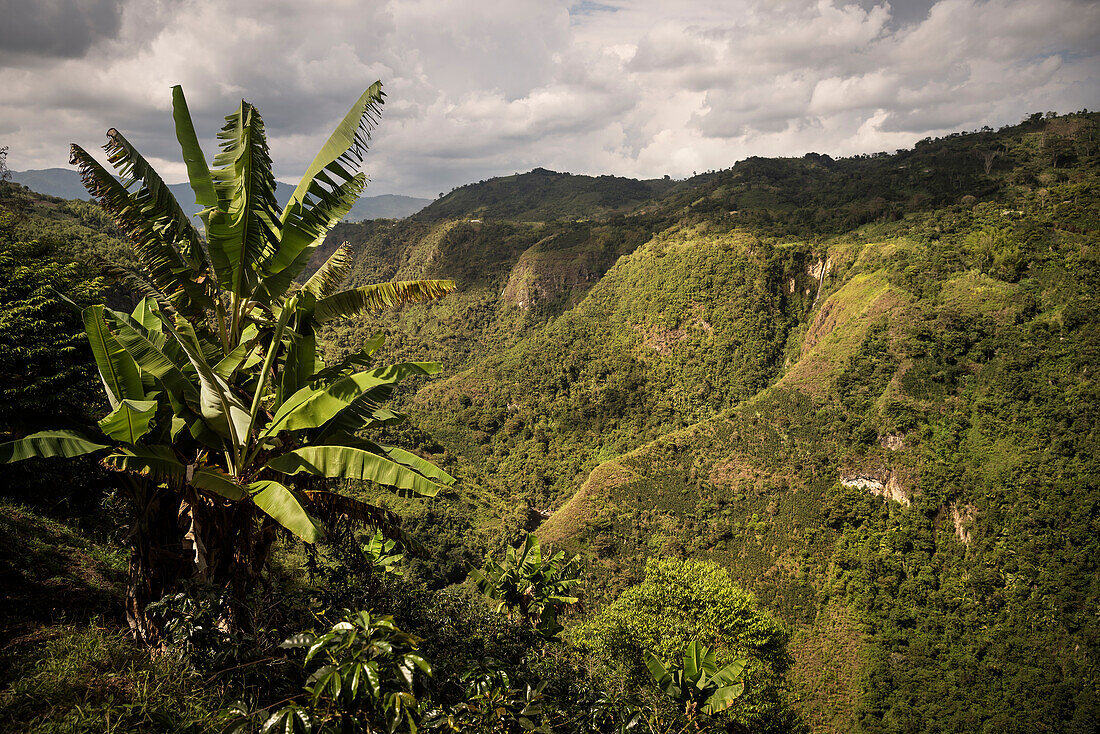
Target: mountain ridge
{"x":65,"y":183}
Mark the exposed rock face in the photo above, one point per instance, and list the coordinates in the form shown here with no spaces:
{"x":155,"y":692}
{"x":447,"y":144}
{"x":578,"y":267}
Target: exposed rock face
{"x":963,"y":516}
{"x":892,"y":441}
{"x":891,"y":488}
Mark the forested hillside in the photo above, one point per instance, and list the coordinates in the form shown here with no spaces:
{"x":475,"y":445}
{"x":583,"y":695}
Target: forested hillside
{"x":862,"y":385}
{"x":834,"y":417}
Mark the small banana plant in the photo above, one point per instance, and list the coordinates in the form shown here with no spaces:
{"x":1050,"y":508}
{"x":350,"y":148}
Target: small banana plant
{"x":528,"y":588}
{"x":699,"y":684}
{"x":382,"y":554}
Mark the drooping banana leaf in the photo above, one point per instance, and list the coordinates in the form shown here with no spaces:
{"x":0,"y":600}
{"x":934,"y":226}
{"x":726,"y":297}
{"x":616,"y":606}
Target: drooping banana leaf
{"x":218,"y":482}
{"x":158,"y":203}
{"x":172,"y":276}
{"x":117,"y":368}
{"x":723,"y":698}
{"x":411,"y":460}
{"x":661,"y":675}
{"x":285,"y":508}
{"x":325,"y":504}
{"x":48,"y":445}
{"x":379,"y":296}
{"x":311,"y":408}
{"x":345,"y":462}
{"x":156,"y":462}
{"x":329,"y":276}
{"x":130,"y":420}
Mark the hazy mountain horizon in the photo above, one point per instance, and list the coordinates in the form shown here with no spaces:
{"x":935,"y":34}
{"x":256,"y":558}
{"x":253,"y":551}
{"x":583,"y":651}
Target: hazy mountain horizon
{"x":65,"y":183}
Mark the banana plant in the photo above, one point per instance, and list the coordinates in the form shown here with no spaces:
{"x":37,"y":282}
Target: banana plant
{"x":529,"y":588}
{"x":224,"y":421}
{"x":699,"y":684}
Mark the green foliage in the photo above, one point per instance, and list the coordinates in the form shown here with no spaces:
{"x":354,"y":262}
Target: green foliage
{"x":382,"y":554}
{"x":685,"y":601}
{"x":529,"y":588}
{"x":362,"y":675}
{"x":491,"y":702}
{"x":46,"y":374}
{"x":698,"y":684}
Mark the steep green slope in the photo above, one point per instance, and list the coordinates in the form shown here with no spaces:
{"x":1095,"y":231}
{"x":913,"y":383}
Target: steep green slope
{"x":690,"y":323}
{"x":926,"y":467}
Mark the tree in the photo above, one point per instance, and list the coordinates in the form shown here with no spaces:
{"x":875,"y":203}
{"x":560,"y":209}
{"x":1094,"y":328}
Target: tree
{"x":224,"y":420}
{"x":684,"y":601}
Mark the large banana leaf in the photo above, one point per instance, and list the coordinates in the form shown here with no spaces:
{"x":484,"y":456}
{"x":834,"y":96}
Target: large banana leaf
{"x":305,"y":228}
{"x":428,"y":469}
{"x":156,"y":231}
{"x":242,"y":231}
{"x":156,"y":200}
{"x":216,"y":481}
{"x":726,"y":695}
{"x":156,"y":462}
{"x":48,"y":445}
{"x":285,"y":508}
{"x":117,"y":368}
{"x":327,"y":191}
{"x":221,"y":409}
{"x":346,"y":462}
{"x":379,"y":296}
{"x":129,"y":421}
{"x":348,"y":141}
{"x":312,"y":408}
{"x":198,"y":173}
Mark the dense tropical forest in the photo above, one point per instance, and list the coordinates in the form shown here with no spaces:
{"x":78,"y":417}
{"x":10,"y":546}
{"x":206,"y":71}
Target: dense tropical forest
{"x":801,"y":445}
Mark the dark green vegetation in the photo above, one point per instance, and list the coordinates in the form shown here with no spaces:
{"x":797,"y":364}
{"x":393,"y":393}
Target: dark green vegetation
{"x":862,"y":388}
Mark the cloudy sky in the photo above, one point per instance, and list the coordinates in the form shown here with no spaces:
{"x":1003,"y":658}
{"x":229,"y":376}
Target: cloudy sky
{"x":478,"y":88}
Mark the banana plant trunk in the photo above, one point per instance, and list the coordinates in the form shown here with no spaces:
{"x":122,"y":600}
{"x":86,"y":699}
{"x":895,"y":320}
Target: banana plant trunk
{"x":179,"y":538}
{"x":158,"y":561}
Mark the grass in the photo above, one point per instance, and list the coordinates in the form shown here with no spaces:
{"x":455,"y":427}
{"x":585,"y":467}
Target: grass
{"x":95,"y":679}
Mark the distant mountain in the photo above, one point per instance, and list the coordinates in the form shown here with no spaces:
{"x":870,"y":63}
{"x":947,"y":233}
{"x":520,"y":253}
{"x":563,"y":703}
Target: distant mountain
{"x":65,"y":183}
{"x":544,"y":195}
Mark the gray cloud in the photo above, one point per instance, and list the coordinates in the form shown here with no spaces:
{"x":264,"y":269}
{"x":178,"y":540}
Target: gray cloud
{"x":55,"y":28}
{"x":484,"y":87}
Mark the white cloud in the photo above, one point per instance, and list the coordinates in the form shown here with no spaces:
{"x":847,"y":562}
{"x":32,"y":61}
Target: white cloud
{"x":478,"y":88}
